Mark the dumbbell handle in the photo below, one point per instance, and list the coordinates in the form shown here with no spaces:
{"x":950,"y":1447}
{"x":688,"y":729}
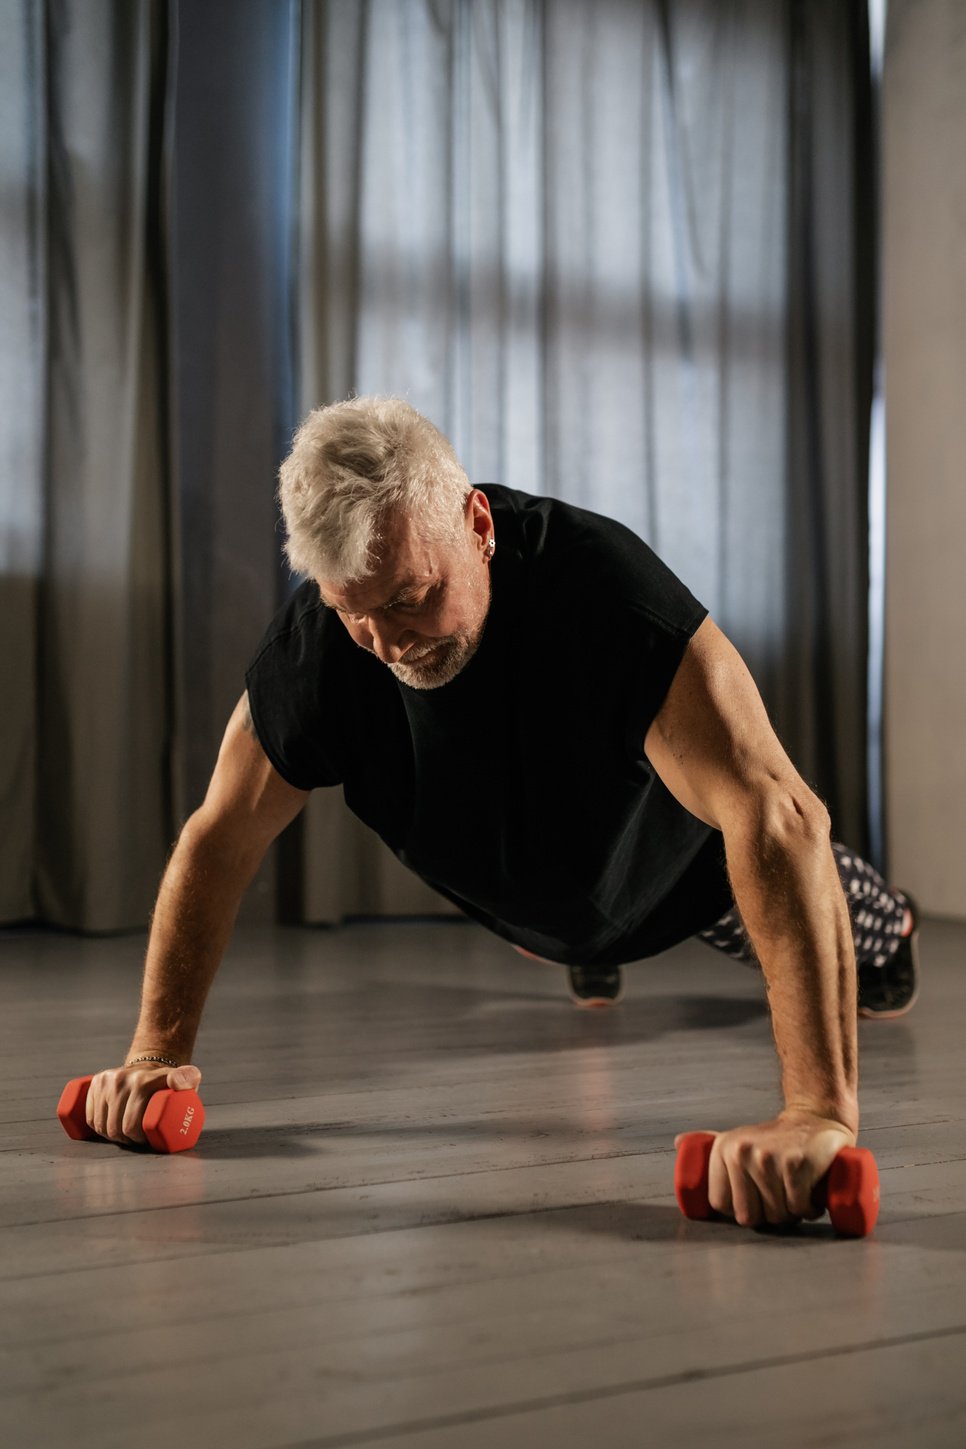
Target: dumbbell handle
{"x":849,"y":1190}
{"x":172,"y":1121}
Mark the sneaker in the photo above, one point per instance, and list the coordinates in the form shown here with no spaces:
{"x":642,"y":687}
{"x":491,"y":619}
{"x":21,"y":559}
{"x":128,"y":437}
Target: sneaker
{"x":595,"y":985}
{"x":892,"y":989}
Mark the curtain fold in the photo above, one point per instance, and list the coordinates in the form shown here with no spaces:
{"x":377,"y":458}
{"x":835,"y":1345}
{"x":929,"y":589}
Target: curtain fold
{"x":819,"y":678}
{"x":23,"y":269}
{"x":233,"y":159}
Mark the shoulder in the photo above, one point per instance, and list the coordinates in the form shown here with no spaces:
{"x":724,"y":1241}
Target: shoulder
{"x":553,"y":531}
{"x":299,"y":626}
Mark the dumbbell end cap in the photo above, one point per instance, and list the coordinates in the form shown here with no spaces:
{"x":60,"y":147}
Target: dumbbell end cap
{"x":691,"y":1174}
{"x":853,"y":1192}
{"x":172,"y":1121}
{"x":70,"y":1109}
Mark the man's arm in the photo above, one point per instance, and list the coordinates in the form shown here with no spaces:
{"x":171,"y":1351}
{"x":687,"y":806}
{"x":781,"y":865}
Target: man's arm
{"x":714,"y":748}
{"x":216,"y":857}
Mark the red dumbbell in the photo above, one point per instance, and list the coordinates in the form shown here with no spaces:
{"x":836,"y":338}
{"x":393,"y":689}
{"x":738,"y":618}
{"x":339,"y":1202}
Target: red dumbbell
{"x":849,"y":1190}
{"x":172,"y":1121}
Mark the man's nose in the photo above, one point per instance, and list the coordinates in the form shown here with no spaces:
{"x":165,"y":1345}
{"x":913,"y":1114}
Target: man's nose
{"x":386,"y":637}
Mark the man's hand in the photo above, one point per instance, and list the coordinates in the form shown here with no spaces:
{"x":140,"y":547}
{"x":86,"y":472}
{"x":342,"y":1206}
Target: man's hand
{"x":767,"y":1172}
{"x":116,"y":1099}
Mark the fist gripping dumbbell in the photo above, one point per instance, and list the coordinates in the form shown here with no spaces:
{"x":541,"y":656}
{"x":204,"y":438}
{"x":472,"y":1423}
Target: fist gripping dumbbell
{"x":172,"y":1121}
{"x":849,"y":1190}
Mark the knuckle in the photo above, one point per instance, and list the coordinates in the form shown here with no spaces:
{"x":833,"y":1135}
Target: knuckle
{"x":131,"y":1126}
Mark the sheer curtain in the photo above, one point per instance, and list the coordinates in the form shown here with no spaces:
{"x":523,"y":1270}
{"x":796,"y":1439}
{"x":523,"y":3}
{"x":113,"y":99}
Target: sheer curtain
{"x":612,"y":247}
{"x":615,"y":251}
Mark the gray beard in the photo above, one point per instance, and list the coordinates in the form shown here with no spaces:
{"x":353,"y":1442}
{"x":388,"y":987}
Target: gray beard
{"x":453,"y":656}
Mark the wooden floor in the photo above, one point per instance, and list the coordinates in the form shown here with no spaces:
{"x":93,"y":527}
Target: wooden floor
{"x":433,"y":1206}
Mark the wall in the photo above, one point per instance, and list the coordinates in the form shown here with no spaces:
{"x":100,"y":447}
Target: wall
{"x":924,"y":300}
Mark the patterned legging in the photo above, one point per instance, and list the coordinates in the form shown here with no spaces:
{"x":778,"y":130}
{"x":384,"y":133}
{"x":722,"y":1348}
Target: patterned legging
{"x":875,"y":910}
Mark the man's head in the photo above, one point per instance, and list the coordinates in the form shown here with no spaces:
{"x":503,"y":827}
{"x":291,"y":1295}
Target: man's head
{"x":382,"y":516}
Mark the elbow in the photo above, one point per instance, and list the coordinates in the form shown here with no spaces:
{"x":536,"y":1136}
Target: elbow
{"x":798,"y":812}
{"x":787,"y":815}
{"x":813,"y":819}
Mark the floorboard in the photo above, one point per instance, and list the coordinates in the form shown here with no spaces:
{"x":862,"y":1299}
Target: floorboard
{"x":433,"y":1206}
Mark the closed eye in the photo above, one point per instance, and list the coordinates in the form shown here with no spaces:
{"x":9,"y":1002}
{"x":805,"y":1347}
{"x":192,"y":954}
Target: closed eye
{"x":415,"y":603}
{"x":406,"y":604}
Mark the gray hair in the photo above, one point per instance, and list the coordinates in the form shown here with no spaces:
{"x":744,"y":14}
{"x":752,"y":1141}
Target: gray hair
{"x":352,"y":465}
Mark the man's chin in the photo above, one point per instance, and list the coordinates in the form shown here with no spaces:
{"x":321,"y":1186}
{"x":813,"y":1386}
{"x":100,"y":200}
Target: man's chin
{"x":440,"y":666}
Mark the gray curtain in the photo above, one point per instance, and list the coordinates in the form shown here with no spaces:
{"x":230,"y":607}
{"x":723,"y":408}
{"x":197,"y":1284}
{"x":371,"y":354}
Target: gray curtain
{"x":84,"y":769}
{"x":613,"y":249}
{"x":617,"y":251}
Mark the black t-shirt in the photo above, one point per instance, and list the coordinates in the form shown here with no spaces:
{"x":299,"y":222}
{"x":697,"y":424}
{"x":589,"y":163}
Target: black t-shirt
{"x":520,"y":790}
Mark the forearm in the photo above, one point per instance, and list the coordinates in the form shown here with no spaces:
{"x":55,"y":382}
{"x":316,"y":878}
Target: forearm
{"x":788,"y":892}
{"x":192,"y":923}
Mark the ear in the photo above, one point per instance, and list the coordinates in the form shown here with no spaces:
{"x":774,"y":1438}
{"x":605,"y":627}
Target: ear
{"x":479,"y":516}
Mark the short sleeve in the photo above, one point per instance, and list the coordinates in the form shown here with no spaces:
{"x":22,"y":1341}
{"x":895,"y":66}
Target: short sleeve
{"x":289,"y":685}
{"x":637,"y":615}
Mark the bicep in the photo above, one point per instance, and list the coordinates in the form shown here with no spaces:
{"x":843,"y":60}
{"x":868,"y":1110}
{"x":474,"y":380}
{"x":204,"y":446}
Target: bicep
{"x":713,"y":745}
{"x":247,"y":803}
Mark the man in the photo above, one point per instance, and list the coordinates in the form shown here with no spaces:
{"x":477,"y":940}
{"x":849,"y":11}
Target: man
{"x":543,"y":723}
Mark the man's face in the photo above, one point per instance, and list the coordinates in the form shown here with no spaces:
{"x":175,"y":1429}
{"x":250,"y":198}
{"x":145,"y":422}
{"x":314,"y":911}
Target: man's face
{"x":423,"y":609}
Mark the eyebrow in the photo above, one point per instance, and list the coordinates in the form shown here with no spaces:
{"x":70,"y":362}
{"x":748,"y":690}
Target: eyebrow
{"x":408,"y":591}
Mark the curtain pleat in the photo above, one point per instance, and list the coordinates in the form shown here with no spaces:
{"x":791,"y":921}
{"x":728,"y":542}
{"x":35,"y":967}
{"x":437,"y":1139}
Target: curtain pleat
{"x":819,"y":678}
{"x":23,"y":268}
{"x":233,"y":137}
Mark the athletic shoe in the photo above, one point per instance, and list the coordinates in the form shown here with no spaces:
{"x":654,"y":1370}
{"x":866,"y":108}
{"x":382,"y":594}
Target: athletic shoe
{"x":892,"y":989}
{"x":595,"y":985}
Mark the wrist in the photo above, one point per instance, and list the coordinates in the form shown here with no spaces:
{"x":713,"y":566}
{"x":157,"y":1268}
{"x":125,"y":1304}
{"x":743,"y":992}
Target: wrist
{"x":172,"y":1051}
{"x":844,"y":1115}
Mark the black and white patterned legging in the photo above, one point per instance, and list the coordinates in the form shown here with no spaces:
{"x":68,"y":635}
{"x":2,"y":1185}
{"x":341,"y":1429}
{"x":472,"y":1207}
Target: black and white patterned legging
{"x":875,"y":910}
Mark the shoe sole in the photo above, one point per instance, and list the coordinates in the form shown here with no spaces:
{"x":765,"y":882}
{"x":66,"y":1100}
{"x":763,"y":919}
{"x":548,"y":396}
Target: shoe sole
{"x":595,"y":1001}
{"x":869,"y":1015}
{"x":583,"y":1001}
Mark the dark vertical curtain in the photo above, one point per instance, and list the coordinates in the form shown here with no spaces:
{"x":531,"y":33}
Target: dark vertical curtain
{"x":86,"y":567}
{"x":233,"y":133}
{"x":617,"y":250}
{"x":819,"y":680}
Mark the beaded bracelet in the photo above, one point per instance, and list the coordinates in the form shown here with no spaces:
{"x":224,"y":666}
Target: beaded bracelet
{"x":167,"y":1061}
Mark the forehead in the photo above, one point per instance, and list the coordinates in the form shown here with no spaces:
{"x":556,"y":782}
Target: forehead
{"x":406,"y":561}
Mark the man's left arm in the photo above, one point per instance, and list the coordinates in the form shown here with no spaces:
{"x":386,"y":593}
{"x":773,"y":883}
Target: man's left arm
{"x":714,"y":748}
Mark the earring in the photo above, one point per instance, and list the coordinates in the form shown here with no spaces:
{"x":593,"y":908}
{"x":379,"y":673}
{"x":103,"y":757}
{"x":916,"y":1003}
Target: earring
{"x":490,"y":549}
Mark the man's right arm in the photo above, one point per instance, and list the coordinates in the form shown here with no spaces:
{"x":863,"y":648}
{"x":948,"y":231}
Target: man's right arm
{"x":216,"y":857}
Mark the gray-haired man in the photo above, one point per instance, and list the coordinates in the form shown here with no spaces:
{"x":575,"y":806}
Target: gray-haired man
{"x":543,"y":723}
